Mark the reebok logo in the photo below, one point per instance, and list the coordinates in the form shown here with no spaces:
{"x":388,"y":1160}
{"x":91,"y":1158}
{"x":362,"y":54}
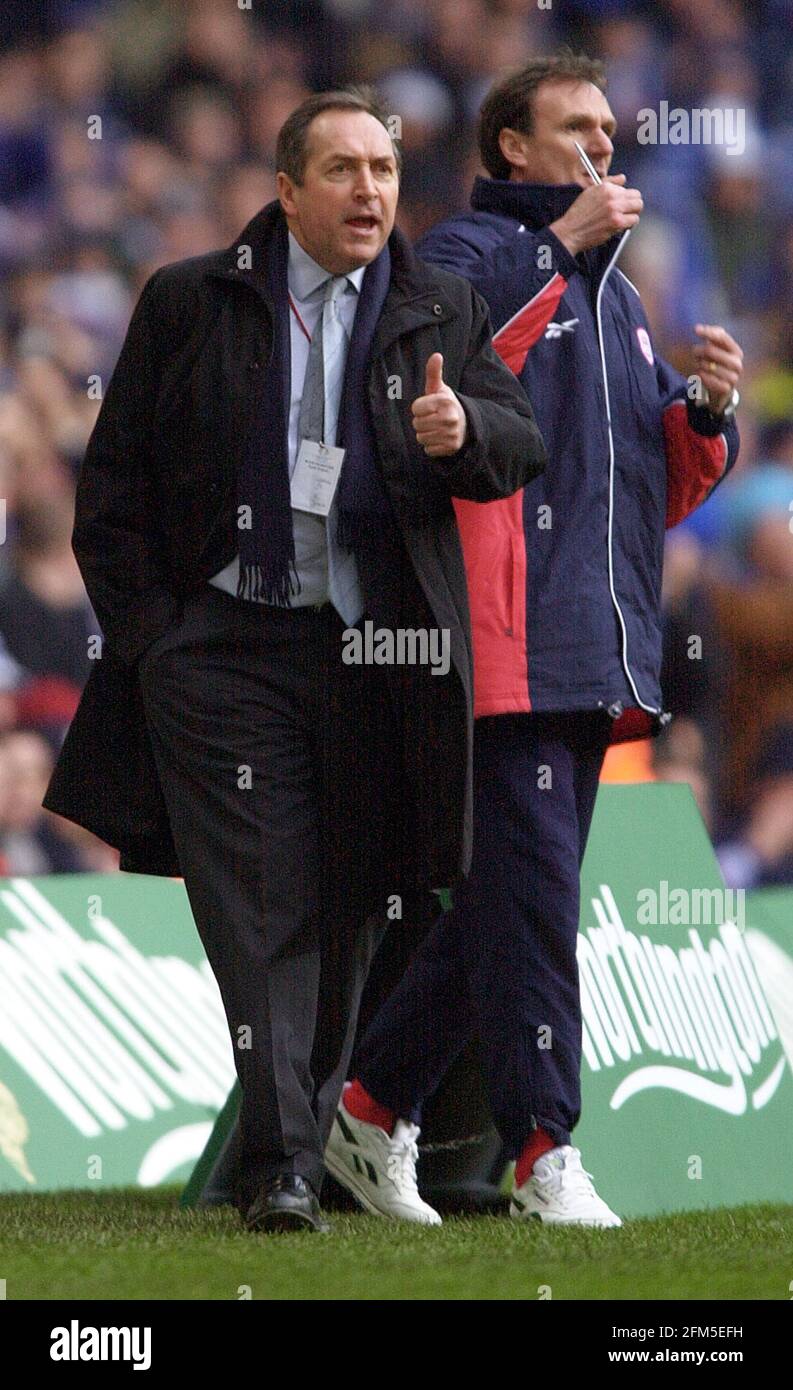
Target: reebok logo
{"x":555,"y":330}
{"x":76,"y":1343}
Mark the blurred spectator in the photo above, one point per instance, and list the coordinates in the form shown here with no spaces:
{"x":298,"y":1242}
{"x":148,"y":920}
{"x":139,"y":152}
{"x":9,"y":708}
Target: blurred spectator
{"x":268,"y":106}
{"x":29,"y":844}
{"x":753,"y":601}
{"x":693,"y":677}
{"x":680,"y":755}
{"x":45,"y":615}
{"x":740,"y":228}
{"x":762,"y":852}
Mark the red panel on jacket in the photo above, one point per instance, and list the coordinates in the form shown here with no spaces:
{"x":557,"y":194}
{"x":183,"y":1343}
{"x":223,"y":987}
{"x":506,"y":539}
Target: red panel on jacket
{"x":494,"y":548}
{"x":694,"y":463}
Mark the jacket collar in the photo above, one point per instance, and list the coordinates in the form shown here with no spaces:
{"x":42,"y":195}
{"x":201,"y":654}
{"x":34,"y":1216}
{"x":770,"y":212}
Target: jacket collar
{"x":534,"y":204}
{"x":414,"y":297}
{"x":537,"y":205}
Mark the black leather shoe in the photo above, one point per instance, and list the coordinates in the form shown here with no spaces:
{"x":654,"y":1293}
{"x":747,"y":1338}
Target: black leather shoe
{"x":286,"y":1203}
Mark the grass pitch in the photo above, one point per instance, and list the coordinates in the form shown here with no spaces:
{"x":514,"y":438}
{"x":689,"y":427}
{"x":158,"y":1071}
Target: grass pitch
{"x":134,"y":1244}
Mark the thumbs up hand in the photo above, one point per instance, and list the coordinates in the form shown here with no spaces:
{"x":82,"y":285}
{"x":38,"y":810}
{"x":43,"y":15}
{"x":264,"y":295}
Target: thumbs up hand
{"x":438,"y":418}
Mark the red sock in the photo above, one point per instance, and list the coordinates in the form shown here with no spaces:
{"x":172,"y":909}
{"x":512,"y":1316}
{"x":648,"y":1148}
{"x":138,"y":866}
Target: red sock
{"x":364,"y":1107}
{"x":538,"y":1144}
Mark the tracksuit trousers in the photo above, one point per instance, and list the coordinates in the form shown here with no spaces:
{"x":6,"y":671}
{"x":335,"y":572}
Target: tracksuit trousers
{"x":502,"y":964}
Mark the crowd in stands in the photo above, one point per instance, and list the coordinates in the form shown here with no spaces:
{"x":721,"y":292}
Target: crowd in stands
{"x":138,"y":132}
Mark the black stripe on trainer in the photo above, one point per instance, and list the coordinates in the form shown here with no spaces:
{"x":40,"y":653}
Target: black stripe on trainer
{"x":345,"y":1129}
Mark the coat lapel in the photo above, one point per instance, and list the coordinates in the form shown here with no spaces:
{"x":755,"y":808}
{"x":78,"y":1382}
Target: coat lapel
{"x":414,"y":299}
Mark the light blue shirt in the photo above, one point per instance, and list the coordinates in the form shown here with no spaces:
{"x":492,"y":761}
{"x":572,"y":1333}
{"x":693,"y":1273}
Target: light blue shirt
{"x":306,"y":280}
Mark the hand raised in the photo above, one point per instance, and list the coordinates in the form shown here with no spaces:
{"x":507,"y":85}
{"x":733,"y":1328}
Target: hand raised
{"x":597,"y":213}
{"x":438,"y":418}
{"x":719,"y":363}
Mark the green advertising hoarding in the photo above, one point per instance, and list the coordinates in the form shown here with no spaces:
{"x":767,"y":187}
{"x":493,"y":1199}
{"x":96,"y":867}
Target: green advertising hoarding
{"x":688,"y":1092}
{"x":114,"y":1052}
{"x":769,"y":935}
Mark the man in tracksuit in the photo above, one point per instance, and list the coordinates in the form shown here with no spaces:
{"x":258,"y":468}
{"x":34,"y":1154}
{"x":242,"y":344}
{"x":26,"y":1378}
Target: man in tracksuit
{"x":565,"y":588}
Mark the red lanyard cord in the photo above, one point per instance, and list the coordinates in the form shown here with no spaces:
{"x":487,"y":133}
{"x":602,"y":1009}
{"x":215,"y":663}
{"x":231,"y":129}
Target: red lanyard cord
{"x":294,"y":309}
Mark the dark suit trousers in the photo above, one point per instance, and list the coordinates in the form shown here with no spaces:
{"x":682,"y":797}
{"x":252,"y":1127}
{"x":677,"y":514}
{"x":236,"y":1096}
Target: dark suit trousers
{"x":282,"y":780}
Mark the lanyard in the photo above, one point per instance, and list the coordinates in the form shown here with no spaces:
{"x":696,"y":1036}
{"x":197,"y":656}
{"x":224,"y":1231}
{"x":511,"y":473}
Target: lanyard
{"x":294,"y":309}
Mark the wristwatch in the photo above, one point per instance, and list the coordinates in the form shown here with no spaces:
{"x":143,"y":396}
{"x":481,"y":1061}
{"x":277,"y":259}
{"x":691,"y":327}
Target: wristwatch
{"x":729,"y":409}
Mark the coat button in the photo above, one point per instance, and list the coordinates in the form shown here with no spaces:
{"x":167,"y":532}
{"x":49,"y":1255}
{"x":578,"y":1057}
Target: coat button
{"x":254,"y":365}
{"x":437,"y":309}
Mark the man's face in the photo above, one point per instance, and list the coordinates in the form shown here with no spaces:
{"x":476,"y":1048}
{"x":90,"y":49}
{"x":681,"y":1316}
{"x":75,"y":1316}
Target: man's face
{"x":343,"y":212}
{"x":563,"y":112}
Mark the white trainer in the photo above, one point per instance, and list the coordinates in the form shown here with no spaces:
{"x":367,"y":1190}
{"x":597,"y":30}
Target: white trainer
{"x":559,"y":1192}
{"x":377,"y":1168}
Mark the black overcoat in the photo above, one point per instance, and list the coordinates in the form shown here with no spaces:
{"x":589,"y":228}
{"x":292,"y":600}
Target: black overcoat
{"x":156,"y":516}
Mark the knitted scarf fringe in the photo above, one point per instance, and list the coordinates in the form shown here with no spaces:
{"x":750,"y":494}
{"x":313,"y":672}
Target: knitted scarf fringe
{"x":262,"y":583}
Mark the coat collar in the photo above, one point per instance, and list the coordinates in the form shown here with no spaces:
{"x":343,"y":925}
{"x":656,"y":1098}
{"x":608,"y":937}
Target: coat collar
{"x":534,"y":204}
{"x":537,"y":205}
{"x":414,"y":298}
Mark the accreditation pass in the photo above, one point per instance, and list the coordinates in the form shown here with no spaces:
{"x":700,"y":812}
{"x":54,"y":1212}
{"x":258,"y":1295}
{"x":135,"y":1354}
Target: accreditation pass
{"x":315,"y":476}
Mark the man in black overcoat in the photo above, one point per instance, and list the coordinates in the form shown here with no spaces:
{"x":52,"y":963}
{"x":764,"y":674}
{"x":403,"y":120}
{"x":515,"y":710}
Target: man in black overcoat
{"x":259,"y":722}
